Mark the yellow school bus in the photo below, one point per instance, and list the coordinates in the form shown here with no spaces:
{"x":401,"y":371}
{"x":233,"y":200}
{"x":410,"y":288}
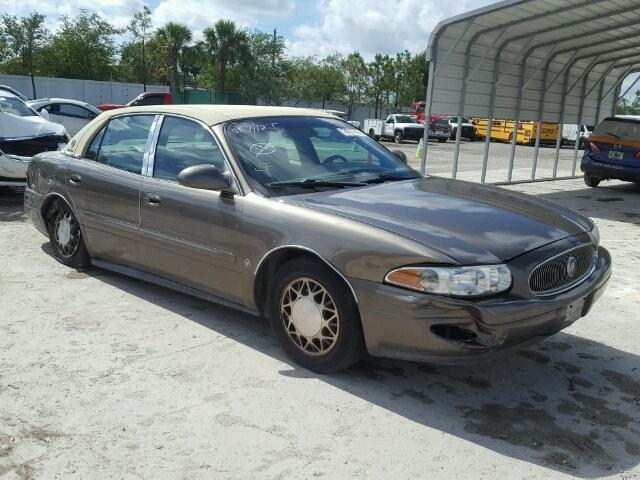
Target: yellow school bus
{"x":502,"y":131}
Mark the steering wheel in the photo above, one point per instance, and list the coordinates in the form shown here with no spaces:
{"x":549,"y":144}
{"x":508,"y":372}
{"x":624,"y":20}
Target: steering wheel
{"x":333,"y":158}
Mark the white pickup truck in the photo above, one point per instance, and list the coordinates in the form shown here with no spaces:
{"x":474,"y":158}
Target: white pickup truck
{"x":397,"y":127}
{"x":570,"y":134}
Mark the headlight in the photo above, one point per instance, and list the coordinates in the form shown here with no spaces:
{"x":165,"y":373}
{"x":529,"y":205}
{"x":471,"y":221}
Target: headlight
{"x":453,"y":281}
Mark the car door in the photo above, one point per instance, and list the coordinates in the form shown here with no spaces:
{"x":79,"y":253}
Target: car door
{"x":191,"y":236}
{"x":104,"y":186}
{"x":73,"y":117}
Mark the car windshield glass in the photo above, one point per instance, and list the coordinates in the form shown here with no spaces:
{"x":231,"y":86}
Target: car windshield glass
{"x":619,"y":129}
{"x":404,"y":119}
{"x":15,"y":106}
{"x":455,"y":120}
{"x":309,"y":152}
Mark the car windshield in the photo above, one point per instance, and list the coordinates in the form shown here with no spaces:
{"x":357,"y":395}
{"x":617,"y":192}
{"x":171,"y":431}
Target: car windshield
{"x":404,"y":119}
{"x":15,"y":106}
{"x":289,"y":155}
{"x":455,"y":120}
{"x":619,"y":129}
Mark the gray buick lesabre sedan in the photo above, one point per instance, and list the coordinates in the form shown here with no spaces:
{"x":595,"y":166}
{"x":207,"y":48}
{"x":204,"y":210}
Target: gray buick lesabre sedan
{"x":298,"y":216}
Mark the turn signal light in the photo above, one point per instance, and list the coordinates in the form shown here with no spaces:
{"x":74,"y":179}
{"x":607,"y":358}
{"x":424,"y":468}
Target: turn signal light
{"x":637,"y":155}
{"x":594,"y":148}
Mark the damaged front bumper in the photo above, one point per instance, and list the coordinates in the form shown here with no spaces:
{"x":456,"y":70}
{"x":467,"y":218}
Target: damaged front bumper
{"x":13,"y":170}
{"x":15,"y":154}
{"x":398,"y":323}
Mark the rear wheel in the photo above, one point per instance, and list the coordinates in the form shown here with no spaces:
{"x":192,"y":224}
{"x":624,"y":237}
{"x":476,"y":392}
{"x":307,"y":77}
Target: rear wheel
{"x":591,"y":181}
{"x":65,"y":236}
{"x":315,"y":317}
{"x":442,"y":140}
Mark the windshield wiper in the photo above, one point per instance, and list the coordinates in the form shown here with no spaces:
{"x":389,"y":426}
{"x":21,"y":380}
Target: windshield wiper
{"x":388,"y":177}
{"x":612,"y":134}
{"x":311,"y":183}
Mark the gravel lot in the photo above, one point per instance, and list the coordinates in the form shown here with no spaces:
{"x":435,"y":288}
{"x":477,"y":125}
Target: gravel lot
{"x":102,"y":376}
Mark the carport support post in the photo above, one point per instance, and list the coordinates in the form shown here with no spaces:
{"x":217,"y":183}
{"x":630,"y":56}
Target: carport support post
{"x":463,"y":98}
{"x":427,"y":106}
{"x":580,"y":112}
{"x":492,"y":107}
{"x":516,"y":120}
{"x":563,"y":102}
{"x":598,"y":105}
{"x":543,"y":95}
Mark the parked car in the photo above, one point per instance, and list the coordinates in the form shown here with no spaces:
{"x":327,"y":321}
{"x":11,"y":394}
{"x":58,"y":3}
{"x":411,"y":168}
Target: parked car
{"x":23,"y":133}
{"x":613,"y":151}
{"x":73,"y":114}
{"x":468,"y":129}
{"x":345,"y":117}
{"x":296,"y":215}
{"x":570,"y":134}
{"x":146,"y":98}
{"x":397,"y":127}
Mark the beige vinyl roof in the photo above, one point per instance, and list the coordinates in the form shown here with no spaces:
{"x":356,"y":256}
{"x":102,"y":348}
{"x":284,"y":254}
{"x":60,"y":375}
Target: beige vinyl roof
{"x":208,"y":114}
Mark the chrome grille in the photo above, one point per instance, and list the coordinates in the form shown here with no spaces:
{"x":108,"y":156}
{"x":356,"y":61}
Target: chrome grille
{"x":563,"y":271}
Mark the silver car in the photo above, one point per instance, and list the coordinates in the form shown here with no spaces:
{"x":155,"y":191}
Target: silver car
{"x":72,"y":114}
{"x":297,"y":216}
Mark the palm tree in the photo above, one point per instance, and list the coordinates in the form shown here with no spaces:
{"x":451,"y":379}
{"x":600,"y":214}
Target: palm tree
{"x":174,"y":37}
{"x":228,"y":45}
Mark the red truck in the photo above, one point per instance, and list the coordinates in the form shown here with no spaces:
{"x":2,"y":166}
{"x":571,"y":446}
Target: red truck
{"x":146,"y":98}
{"x":439,"y":128}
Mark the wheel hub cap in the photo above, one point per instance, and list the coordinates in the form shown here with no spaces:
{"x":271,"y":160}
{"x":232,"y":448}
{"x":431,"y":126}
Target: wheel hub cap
{"x":64,"y":231}
{"x":306,"y":316}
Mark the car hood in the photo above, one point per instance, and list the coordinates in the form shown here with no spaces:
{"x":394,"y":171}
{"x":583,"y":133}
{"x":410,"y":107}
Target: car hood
{"x":404,"y":125}
{"x":471,"y":223}
{"x":15,"y":127}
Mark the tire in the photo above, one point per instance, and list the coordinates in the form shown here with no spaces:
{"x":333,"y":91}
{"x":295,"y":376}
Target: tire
{"x":473,"y":137}
{"x":443,"y":140}
{"x":399,"y":138}
{"x":65,"y":236}
{"x":591,"y":181}
{"x":343,"y":340}
{"x":372,"y":134}
{"x":453,"y":134}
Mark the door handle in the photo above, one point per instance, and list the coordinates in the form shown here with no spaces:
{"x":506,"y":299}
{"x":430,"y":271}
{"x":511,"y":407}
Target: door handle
{"x":152,"y":199}
{"x":75,"y":179}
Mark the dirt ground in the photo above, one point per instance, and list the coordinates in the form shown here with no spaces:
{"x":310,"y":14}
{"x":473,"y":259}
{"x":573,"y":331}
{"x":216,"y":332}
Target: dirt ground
{"x":102,"y":376}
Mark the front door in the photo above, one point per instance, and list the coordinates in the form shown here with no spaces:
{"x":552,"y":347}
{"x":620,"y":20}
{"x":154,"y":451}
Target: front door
{"x":191,"y":235}
{"x":104,"y":187}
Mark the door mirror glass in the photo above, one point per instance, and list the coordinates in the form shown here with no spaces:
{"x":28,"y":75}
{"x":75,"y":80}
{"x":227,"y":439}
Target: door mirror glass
{"x":400,"y":154}
{"x":205,"y":177}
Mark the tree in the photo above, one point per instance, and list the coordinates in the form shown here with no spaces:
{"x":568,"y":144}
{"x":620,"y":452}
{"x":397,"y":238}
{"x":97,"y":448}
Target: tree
{"x":172,"y":38}
{"x":25,"y":37}
{"x":227,"y":45}
{"x":380,"y":72}
{"x":355,"y":78}
{"x":140,"y":27}
{"x":628,"y":107}
{"x":82,"y":47}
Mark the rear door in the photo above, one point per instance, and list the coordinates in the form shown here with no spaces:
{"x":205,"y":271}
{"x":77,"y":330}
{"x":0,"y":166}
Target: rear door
{"x":104,"y":186}
{"x":191,"y":236}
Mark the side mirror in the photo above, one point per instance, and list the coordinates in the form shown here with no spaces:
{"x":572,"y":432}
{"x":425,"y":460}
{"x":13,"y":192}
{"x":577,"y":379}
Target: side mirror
{"x":44,"y":113}
{"x":205,"y":177}
{"x":400,"y":154}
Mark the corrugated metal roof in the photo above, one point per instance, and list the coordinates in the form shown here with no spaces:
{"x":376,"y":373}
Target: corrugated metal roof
{"x":544,"y":48}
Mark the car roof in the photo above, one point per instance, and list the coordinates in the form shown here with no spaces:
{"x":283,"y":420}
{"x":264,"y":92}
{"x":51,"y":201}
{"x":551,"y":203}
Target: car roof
{"x":58,"y":100}
{"x":8,"y":93}
{"x":624,"y":118}
{"x":215,"y":114}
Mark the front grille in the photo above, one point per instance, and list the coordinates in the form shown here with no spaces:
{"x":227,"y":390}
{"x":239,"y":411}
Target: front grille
{"x":28,"y":147}
{"x":441,"y":125}
{"x":563,"y":271}
{"x":413,"y":132}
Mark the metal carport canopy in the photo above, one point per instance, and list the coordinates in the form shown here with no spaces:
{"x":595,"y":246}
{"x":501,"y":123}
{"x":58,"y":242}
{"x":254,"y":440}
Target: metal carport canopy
{"x":560,"y":61}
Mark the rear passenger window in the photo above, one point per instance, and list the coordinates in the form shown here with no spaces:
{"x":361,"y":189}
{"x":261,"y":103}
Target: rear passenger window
{"x":124,"y":142}
{"x":181,"y":144}
{"x":92,"y":151}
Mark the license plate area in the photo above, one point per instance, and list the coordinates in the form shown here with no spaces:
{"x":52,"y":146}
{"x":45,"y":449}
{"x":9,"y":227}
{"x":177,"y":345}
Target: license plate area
{"x":613,"y":155}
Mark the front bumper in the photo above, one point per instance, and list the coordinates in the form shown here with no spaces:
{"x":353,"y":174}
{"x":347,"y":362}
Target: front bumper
{"x":439,"y":134}
{"x":13,"y":170}
{"x":398,"y":323}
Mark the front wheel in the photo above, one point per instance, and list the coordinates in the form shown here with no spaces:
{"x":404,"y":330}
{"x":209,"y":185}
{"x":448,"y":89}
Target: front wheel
{"x":315,"y":317}
{"x":399,"y":137}
{"x":65,"y":236}
{"x":591,"y":181}
{"x":442,"y":140}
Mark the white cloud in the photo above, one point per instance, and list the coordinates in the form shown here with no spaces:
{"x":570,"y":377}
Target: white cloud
{"x":371,"y":27}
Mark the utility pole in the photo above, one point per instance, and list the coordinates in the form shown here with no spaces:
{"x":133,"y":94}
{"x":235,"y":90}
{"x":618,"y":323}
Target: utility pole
{"x":273,"y":53}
